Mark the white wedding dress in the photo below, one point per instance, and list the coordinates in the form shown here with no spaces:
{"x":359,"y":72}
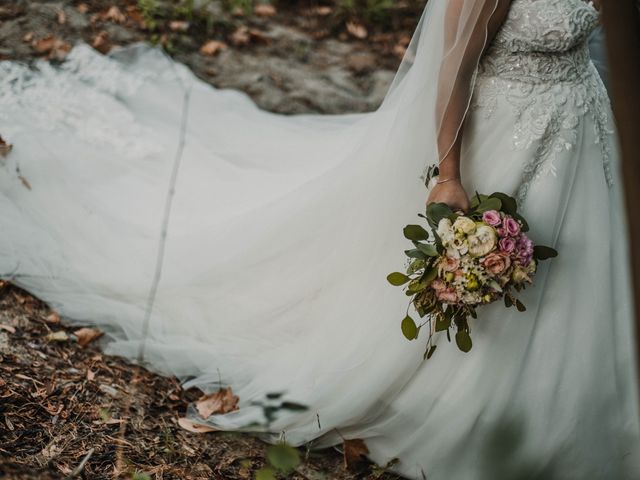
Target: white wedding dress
{"x":283,"y":229}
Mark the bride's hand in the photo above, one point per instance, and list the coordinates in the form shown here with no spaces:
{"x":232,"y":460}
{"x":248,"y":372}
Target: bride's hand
{"x":452,"y":193}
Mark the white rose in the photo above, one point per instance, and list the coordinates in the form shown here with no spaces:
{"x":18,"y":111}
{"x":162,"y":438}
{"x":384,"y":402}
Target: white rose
{"x":464,"y":225}
{"x":483,"y":241}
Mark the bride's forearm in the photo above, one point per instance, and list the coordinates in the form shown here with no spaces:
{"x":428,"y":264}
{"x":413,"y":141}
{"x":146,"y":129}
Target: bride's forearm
{"x":450,"y":164}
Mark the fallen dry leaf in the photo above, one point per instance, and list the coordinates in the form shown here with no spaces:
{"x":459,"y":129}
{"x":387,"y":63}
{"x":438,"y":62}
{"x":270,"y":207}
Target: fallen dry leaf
{"x":91,"y":375}
{"x":355,"y":452}
{"x":55,"y":48}
{"x":194,"y":427}
{"x":53,"y":317}
{"x":5,"y":148}
{"x":62,"y":18}
{"x":264,"y":10}
{"x":87,"y":335}
{"x":59,"y":336}
{"x":101,"y":42}
{"x":240,"y":37}
{"x":399,"y":50}
{"x":323,"y":11}
{"x":7,"y":328}
{"x":134,"y":14}
{"x":28,"y":37}
{"x":115,"y":15}
{"x":357,"y":30}
{"x":82,"y":8}
{"x":178,"y":26}
{"x":222,"y":401}
{"x":212,"y":47}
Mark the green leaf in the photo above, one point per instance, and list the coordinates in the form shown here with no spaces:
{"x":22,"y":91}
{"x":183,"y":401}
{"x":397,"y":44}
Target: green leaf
{"x":429,"y":275}
{"x":541,"y":252}
{"x":274,"y":396}
{"x":409,"y":328}
{"x":283,"y":457}
{"x":415,"y":253}
{"x":415,"y":233}
{"x":520,"y":306}
{"x":476,"y":200}
{"x":428,"y":249}
{"x":442,"y":323}
{"x":397,"y":279}
{"x":508,"y":302}
{"x":265,"y":474}
{"x":509,"y":204}
{"x":491,"y":203}
{"x":438,"y":211}
{"x":463,"y":340}
{"x":429,"y":353}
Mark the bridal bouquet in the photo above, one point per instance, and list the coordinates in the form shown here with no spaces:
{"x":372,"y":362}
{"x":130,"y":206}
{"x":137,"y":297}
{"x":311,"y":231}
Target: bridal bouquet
{"x":467,"y":260}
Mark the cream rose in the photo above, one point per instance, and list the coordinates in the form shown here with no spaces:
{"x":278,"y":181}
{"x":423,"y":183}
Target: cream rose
{"x":520,"y":275}
{"x":464,"y":225}
{"x":483,"y":241}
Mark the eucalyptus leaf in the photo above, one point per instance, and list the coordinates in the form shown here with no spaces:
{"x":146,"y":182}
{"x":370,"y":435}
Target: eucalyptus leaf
{"x":283,"y":457}
{"x":491,"y":203}
{"x":509,"y":204}
{"x":429,"y":275}
{"x":476,"y":200}
{"x":397,"y":279}
{"x":541,"y":252}
{"x":520,"y":306}
{"x":415,"y":253}
{"x":409,"y":328}
{"x":416,"y":233}
{"x":508,"y":302}
{"x":463,"y":340}
{"x":442,"y":324}
{"x":428,"y":249}
{"x":438,"y":211}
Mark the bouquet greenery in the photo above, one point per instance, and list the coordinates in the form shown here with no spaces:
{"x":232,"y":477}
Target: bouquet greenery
{"x":468,"y":260}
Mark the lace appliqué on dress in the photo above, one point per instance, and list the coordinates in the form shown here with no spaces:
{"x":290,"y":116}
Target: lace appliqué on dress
{"x":539,"y":64}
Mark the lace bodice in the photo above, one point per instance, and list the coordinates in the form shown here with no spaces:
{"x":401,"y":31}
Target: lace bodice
{"x":546,"y":26}
{"x":539,"y":63}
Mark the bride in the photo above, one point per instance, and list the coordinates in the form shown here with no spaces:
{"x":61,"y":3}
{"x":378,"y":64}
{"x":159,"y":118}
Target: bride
{"x":263,"y":268}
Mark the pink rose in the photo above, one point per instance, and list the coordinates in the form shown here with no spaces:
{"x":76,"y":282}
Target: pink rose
{"x":492,"y":217}
{"x":496,"y":263}
{"x":438,"y":285}
{"x":448,"y":296}
{"x":511,"y":226}
{"x":507,"y":244}
{"x":502,"y":232}
{"x":449,"y":264}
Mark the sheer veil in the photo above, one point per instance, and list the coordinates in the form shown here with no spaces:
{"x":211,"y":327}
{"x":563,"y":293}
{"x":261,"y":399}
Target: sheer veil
{"x":439,"y":67}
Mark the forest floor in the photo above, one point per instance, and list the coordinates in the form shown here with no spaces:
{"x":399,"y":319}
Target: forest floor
{"x":66,"y":409}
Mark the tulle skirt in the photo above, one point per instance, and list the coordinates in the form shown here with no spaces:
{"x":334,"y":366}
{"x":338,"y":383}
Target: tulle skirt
{"x":280,"y":236}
